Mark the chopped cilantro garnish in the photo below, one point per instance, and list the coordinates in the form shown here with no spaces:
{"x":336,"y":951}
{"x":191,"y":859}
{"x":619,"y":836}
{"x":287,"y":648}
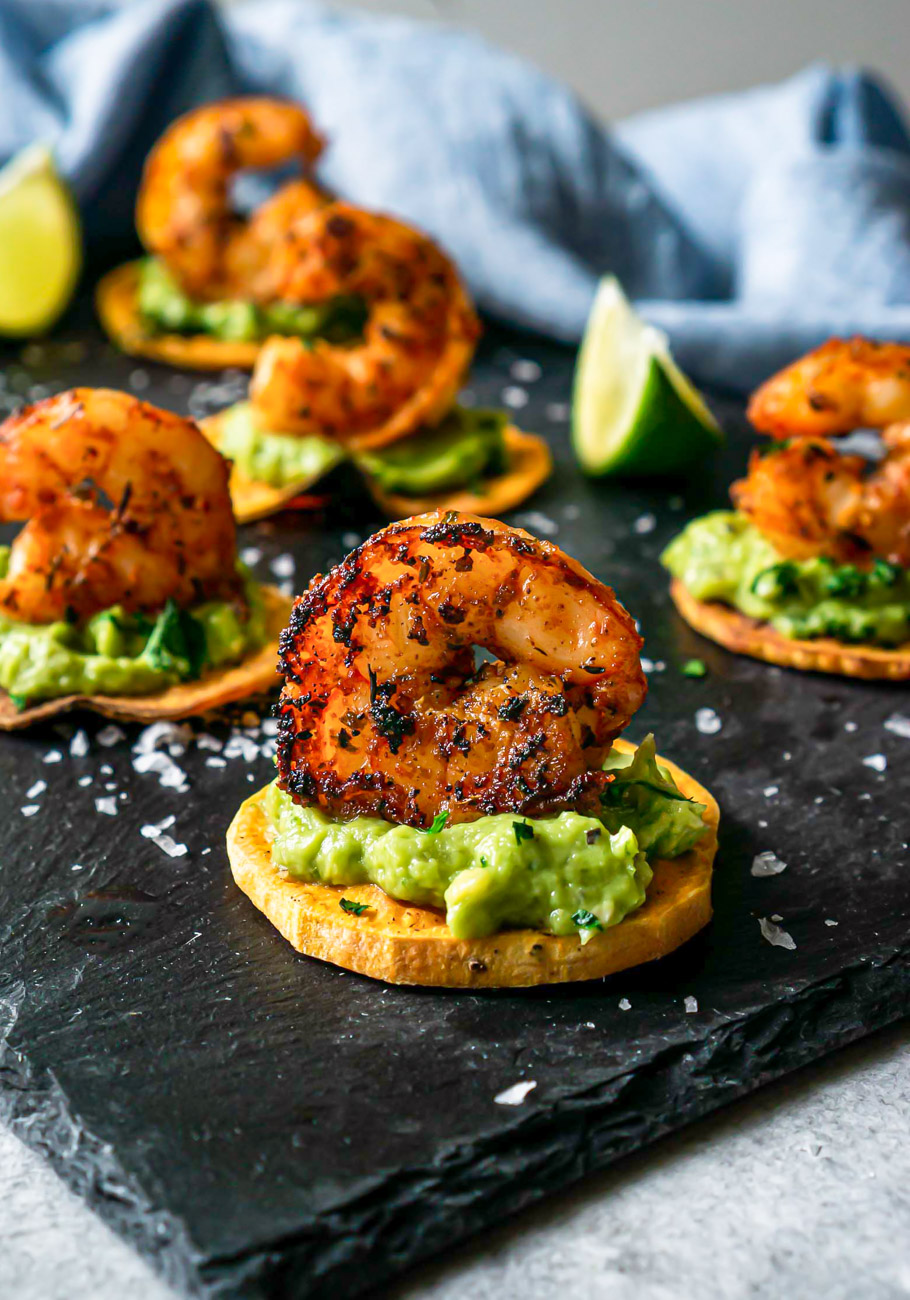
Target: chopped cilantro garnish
{"x":19,"y":701}
{"x":522,"y":831}
{"x":694,"y":668}
{"x":354,"y":909}
{"x":437,"y":824}
{"x":586,"y":920}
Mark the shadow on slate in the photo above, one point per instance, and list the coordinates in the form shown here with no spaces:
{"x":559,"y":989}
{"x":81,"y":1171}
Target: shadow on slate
{"x":258,"y":1124}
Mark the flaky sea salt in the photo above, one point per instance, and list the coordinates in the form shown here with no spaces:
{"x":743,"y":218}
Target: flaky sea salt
{"x":535,"y":521}
{"x":29,"y":809}
{"x":350,"y":540}
{"x":691,"y":1004}
{"x":85,"y":780}
{"x":155,"y":831}
{"x":151,"y":829}
{"x":250,"y":556}
{"x":828,"y":921}
{"x":645,"y":524}
{"x":215,"y":760}
{"x":515,"y":1095}
{"x":707,"y":722}
{"x":777,"y":937}
{"x":169,"y":774}
{"x":850,"y":726}
{"x":283,"y":566}
{"x":110,"y":735}
{"x":770,"y":791}
{"x":241,"y":747}
{"x":514,"y":397}
{"x":79,"y":745}
{"x":107,"y":805}
{"x":898,"y":725}
{"x":625,"y":1004}
{"x":767,"y":864}
{"x":175,"y":735}
{"x":38,"y":788}
{"x":526,"y":372}
{"x":877,"y":762}
{"x":52,"y":756}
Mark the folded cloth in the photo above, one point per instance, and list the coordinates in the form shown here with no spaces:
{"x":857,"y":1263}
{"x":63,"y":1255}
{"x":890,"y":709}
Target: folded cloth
{"x":750,"y":227}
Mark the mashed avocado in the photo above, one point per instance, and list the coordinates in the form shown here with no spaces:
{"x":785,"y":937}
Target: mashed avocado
{"x":279,"y":459}
{"x":724,"y":557}
{"x":465,"y":447}
{"x":116,"y":653}
{"x":166,"y":309}
{"x":567,"y":874}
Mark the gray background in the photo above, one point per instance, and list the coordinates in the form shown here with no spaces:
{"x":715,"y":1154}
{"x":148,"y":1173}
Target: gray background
{"x":626,"y":55}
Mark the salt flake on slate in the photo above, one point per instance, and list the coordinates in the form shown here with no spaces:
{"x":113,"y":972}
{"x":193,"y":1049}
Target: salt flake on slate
{"x":79,"y":745}
{"x":241,"y":747}
{"x":691,"y":1004}
{"x":155,"y":828}
{"x":828,"y":921}
{"x":515,"y":1095}
{"x":777,"y":937}
{"x":767,"y":864}
{"x":283,"y":566}
{"x":169,"y":774}
{"x":212,"y":743}
{"x":29,"y":809}
{"x":107,"y":805}
{"x":214,"y":760}
{"x":85,"y":780}
{"x":707,"y":722}
{"x":514,"y":397}
{"x":537,"y":522}
{"x":167,"y":844}
{"x":770,"y":791}
{"x":625,"y":1004}
{"x":38,"y":788}
{"x":645,"y":524}
{"x":898,"y":725}
{"x":251,"y":555}
{"x":350,"y":540}
{"x":850,"y":726}
{"x":526,"y":372}
{"x":877,"y":762}
{"x":175,"y":735}
{"x":270,"y":726}
{"x":52,"y":756}
{"x":110,"y":735}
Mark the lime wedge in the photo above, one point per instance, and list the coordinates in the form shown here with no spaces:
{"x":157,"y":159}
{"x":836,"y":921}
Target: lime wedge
{"x":40,"y":243}
{"x":633,"y":410}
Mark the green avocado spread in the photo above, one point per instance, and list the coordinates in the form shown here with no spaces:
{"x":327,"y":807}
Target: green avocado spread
{"x":724,"y":557}
{"x":566,"y":874}
{"x":116,"y":653}
{"x":166,"y":309}
{"x":465,"y":448}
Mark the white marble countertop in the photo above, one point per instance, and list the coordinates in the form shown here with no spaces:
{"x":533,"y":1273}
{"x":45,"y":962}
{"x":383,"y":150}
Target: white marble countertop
{"x":802,"y":1190}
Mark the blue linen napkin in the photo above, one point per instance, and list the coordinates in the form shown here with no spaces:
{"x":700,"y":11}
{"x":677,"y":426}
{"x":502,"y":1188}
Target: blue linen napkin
{"x":750,"y":227}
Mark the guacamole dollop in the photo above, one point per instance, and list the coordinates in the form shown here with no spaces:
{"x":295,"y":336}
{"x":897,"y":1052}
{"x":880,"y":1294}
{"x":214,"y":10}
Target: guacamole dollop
{"x":467,"y":446}
{"x":569,"y":873}
{"x":117,"y":653}
{"x":724,"y":557}
{"x":166,"y":309}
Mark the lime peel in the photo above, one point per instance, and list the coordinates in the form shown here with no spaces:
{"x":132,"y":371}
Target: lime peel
{"x":40,"y":243}
{"x":634,"y":412}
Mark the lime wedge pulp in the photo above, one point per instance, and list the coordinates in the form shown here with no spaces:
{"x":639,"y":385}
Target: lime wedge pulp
{"x":40,"y":243}
{"x":633,"y":410}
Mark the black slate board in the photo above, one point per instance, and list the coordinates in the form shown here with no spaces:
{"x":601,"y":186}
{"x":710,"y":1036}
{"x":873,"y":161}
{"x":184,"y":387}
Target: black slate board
{"x":259,"y":1124}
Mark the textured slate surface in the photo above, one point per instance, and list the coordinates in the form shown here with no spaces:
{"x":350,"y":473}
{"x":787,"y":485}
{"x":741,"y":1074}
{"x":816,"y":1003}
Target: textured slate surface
{"x":262,"y":1125}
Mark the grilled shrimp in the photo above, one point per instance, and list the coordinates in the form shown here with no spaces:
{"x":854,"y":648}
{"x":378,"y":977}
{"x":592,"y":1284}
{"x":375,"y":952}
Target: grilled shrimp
{"x":126,"y":504}
{"x":418,"y":341}
{"x":809,"y":499}
{"x":183,"y":212}
{"x":384,"y":713}
{"x":841,"y":386}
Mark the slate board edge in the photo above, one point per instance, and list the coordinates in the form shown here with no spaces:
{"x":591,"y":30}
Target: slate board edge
{"x":412,"y":1216}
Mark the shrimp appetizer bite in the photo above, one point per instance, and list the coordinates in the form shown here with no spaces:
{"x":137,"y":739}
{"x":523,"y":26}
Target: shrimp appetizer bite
{"x":122,"y":592}
{"x":207,"y":294}
{"x":385,"y":399}
{"x":439,"y":822}
{"x":812,"y":568}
